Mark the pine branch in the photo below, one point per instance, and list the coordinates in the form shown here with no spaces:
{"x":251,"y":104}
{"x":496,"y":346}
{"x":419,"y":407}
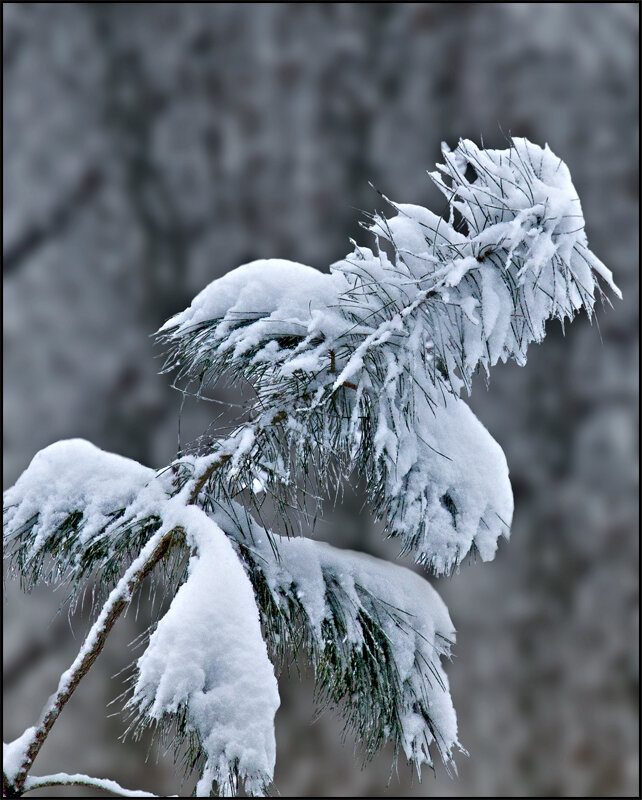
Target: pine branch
{"x":78,"y":512}
{"x":361,"y":369}
{"x":357,"y":619}
{"x":71,"y":481}
{"x":29,"y":543}
{"x":356,"y":369}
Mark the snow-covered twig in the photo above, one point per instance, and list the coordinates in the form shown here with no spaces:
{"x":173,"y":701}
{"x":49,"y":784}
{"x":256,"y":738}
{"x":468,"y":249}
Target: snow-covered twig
{"x":157,"y":547}
{"x":104,"y":784}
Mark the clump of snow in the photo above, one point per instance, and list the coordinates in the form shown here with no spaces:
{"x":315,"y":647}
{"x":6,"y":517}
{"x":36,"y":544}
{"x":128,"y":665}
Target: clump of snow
{"x":207,"y":656}
{"x":524,"y":258}
{"x":280,"y":294}
{"x":74,"y":480}
{"x":73,"y":475}
{"x":447,"y":485}
{"x":14,"y":753}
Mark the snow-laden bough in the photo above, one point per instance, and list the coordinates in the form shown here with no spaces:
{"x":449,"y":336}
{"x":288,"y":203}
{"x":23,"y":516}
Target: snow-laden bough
{"x":356,"y":372}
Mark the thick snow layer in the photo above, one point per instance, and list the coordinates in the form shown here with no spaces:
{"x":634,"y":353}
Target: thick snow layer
{"x":447,"y":484}
{"x":414,"y":620}
{"x":269,"y":288}
{"x":75,"y":476}
{"x":207,"y":656}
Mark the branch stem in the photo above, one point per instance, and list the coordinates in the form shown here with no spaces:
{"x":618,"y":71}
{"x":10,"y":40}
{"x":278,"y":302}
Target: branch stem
{"x":153,"y":552}
{"x":101,"y":784}
{"x":216,"y":464}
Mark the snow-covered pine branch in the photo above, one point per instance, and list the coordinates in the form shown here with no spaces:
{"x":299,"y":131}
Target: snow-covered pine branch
{"x":77,"y":511}
{"x":374,"y":631}
{"x":355,"y":371}
{"x":363,"y":367}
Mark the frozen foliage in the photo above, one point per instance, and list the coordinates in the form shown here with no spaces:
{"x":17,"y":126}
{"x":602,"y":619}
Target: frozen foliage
{"x":385,"y":341}
{"x":375,"y":633}
{"x":206,"y":661}
{"x":359,"y":370}
{"x":450,"y":483}
{"x":78,"y":504}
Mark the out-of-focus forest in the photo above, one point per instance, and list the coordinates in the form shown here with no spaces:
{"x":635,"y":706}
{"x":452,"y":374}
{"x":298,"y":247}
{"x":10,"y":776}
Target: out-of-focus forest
{"x":148,"y":149}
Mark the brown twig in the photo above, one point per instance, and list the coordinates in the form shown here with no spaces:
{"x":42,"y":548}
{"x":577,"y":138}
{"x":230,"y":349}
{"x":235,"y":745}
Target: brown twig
{"x":206,"y":476}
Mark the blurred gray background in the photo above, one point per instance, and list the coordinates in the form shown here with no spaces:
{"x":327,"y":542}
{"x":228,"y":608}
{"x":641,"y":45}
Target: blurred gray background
{"x":149,"y":148}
